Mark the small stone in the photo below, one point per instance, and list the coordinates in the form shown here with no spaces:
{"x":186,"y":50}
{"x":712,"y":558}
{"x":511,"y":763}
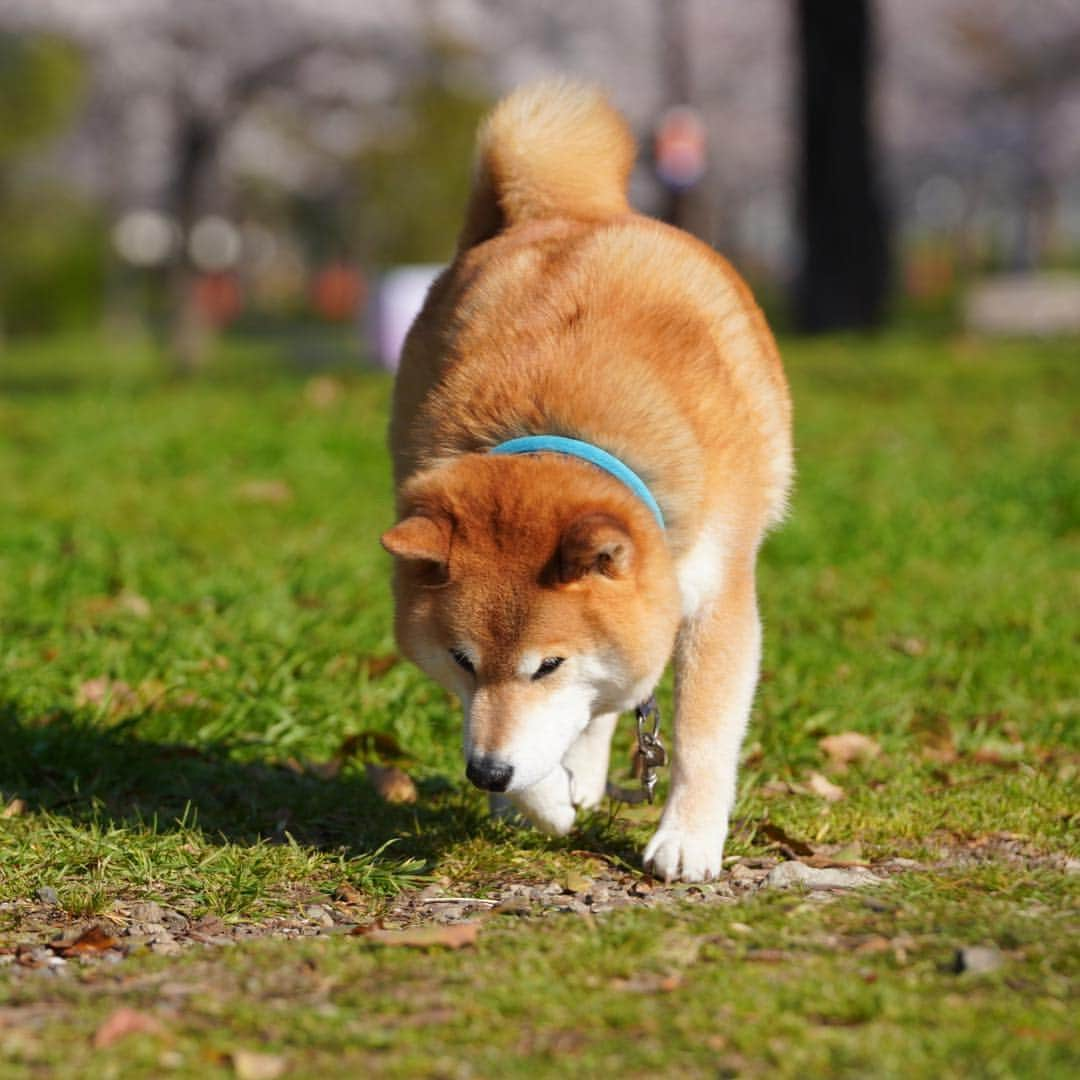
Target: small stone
{"x":318,"y":914}
{"x":796,"y":873}
{"x":165,"y":946}
{"x":47,"y":895}
{"x":977,"y":960}
{"x":176,"y":922}
{"x":146,"y":912}
{"x":741,"y":872}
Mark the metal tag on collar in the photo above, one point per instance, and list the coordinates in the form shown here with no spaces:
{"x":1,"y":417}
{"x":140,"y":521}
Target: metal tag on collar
{"x":650,"y":748}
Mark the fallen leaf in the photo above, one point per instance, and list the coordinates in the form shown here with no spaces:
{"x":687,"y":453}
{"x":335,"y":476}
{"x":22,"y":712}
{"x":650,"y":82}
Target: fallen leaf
{"x":94,"y":939}
{"x":773,"y":788}
{"x":15,"y":808}
{"x":847,"y":747}
{"x":268,"y":492}
{"x":393,"y":784}
{"x":451,"y":936}
{"x":1007,"y":756}
{"x":825,"y":789}
{"x":122,"y":603}
{"x":777,"y":835}
{"x":250,"y":1065}
{"x":346,"y":894}
{"x":577,"y":883}
{"x":124,"y":1022}
{"x":909,"y":646}
{"x":151,"y":693}
{"x":768,"y":956}
{"x":113,"y":694}
{"x":877,"y":943}
{"x":377,"y":744}
{"x":376,"y":666}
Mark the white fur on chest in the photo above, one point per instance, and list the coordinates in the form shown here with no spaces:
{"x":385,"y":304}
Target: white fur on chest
{"x":701,"y":570}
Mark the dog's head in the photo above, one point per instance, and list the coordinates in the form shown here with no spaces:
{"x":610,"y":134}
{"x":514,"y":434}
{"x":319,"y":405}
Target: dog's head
{"x":539,"y":591}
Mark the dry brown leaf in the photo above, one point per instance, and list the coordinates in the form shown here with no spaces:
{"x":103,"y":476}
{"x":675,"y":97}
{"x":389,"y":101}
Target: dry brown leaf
{"x":117,"y":694}
{"x":940,"y":749}
{"x":251,"y":1065}
{"x":376,"y":666}
{"x":909,"y":646}
{"x":121,"y":603}
{"x":776,"y":835}
{"x":393,"y":784}
{"x":817,"y":785}
{"x":874,"y":944}
{"x":1006,"y":756}
{"x":452,"y":936}
{"x":269,"y":492}
{"x":151,"y":693}
{"x":376,"y":744}
{"x":94,"y":939}
{"x":774,"y":788}
{"x":768,"y":956}
{"x":15,"y":808}
{"x":832,"y":862}
{"x":124,"y":1022}
{"x":346,"y":894}
{"x":847,"y":747}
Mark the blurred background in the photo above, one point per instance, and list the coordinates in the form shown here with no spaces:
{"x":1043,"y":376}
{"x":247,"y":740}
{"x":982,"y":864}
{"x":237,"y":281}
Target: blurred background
{"x":183,"y":169}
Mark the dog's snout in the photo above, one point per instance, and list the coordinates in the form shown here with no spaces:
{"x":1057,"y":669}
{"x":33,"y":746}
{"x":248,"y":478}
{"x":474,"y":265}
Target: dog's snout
{"x":489,"y":773}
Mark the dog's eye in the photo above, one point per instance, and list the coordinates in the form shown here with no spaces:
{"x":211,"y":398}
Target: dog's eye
{"x":547,"y":666}
{"x":463,"y":661}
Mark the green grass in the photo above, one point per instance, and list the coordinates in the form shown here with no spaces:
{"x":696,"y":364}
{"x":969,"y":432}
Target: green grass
{"x":211,"y":548}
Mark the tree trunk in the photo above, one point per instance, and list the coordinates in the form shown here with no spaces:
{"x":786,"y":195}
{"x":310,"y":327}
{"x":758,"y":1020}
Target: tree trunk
{"x":843,"y":278}
{"x":190,"y":334}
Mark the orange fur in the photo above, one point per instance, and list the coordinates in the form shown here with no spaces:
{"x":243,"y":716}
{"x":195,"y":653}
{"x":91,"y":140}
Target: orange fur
{"x":565,"y":313}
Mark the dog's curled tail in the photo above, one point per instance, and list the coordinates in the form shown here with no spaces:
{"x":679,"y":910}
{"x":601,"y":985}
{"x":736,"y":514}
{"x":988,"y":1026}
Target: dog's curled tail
{"x":551,"y":149}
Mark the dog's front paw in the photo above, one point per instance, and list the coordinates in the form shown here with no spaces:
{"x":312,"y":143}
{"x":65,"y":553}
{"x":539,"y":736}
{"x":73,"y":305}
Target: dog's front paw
{"x":548,"y":804}
{"x":676,"y":853}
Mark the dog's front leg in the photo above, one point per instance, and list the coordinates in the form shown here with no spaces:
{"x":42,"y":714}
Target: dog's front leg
{"x":587,"y":761}
{"x":716,"y":667}
{"x":548,"y":803}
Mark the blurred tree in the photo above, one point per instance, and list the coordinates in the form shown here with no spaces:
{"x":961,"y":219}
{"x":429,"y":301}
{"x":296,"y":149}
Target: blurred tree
{"x":843,"y":274}
{"x":414,"y":178}
{"x":48,"y":271}
{"x":39,"y":84}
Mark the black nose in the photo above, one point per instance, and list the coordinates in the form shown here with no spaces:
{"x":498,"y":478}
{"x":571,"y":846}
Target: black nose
{"x":489,"y":774}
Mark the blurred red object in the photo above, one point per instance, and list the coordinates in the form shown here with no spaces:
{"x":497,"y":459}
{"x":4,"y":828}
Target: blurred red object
{"x":338,"y":292}
{"x":218,"y":298}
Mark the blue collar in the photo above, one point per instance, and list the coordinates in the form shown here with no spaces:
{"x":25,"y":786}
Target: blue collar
{"x":557,"y":444}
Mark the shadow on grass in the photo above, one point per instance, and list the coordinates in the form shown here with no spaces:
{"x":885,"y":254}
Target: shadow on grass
{"x":64,"y":766}
{"x":67,"y":767}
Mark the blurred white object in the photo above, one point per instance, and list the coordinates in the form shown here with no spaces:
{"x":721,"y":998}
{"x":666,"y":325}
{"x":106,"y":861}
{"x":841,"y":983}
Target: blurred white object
{"x":144,"y":237}
{"x":1038,"y":305}
{"x":214,"y":244}
{"x":398,"y":299}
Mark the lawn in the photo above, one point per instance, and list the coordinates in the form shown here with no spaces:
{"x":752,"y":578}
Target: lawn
{"x":196,"y":669}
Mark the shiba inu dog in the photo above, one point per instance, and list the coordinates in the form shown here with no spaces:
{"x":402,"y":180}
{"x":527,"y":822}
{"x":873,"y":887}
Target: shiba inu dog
{"x":590,"y":434}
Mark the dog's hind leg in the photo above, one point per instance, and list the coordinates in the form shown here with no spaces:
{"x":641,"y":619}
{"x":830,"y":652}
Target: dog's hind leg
{"x":716,"y":668}
{"x":587,"y":762}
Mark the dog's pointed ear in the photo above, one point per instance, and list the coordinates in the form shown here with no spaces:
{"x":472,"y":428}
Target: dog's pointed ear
{"x":595,"y":544}
{"x":419,"y":538}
